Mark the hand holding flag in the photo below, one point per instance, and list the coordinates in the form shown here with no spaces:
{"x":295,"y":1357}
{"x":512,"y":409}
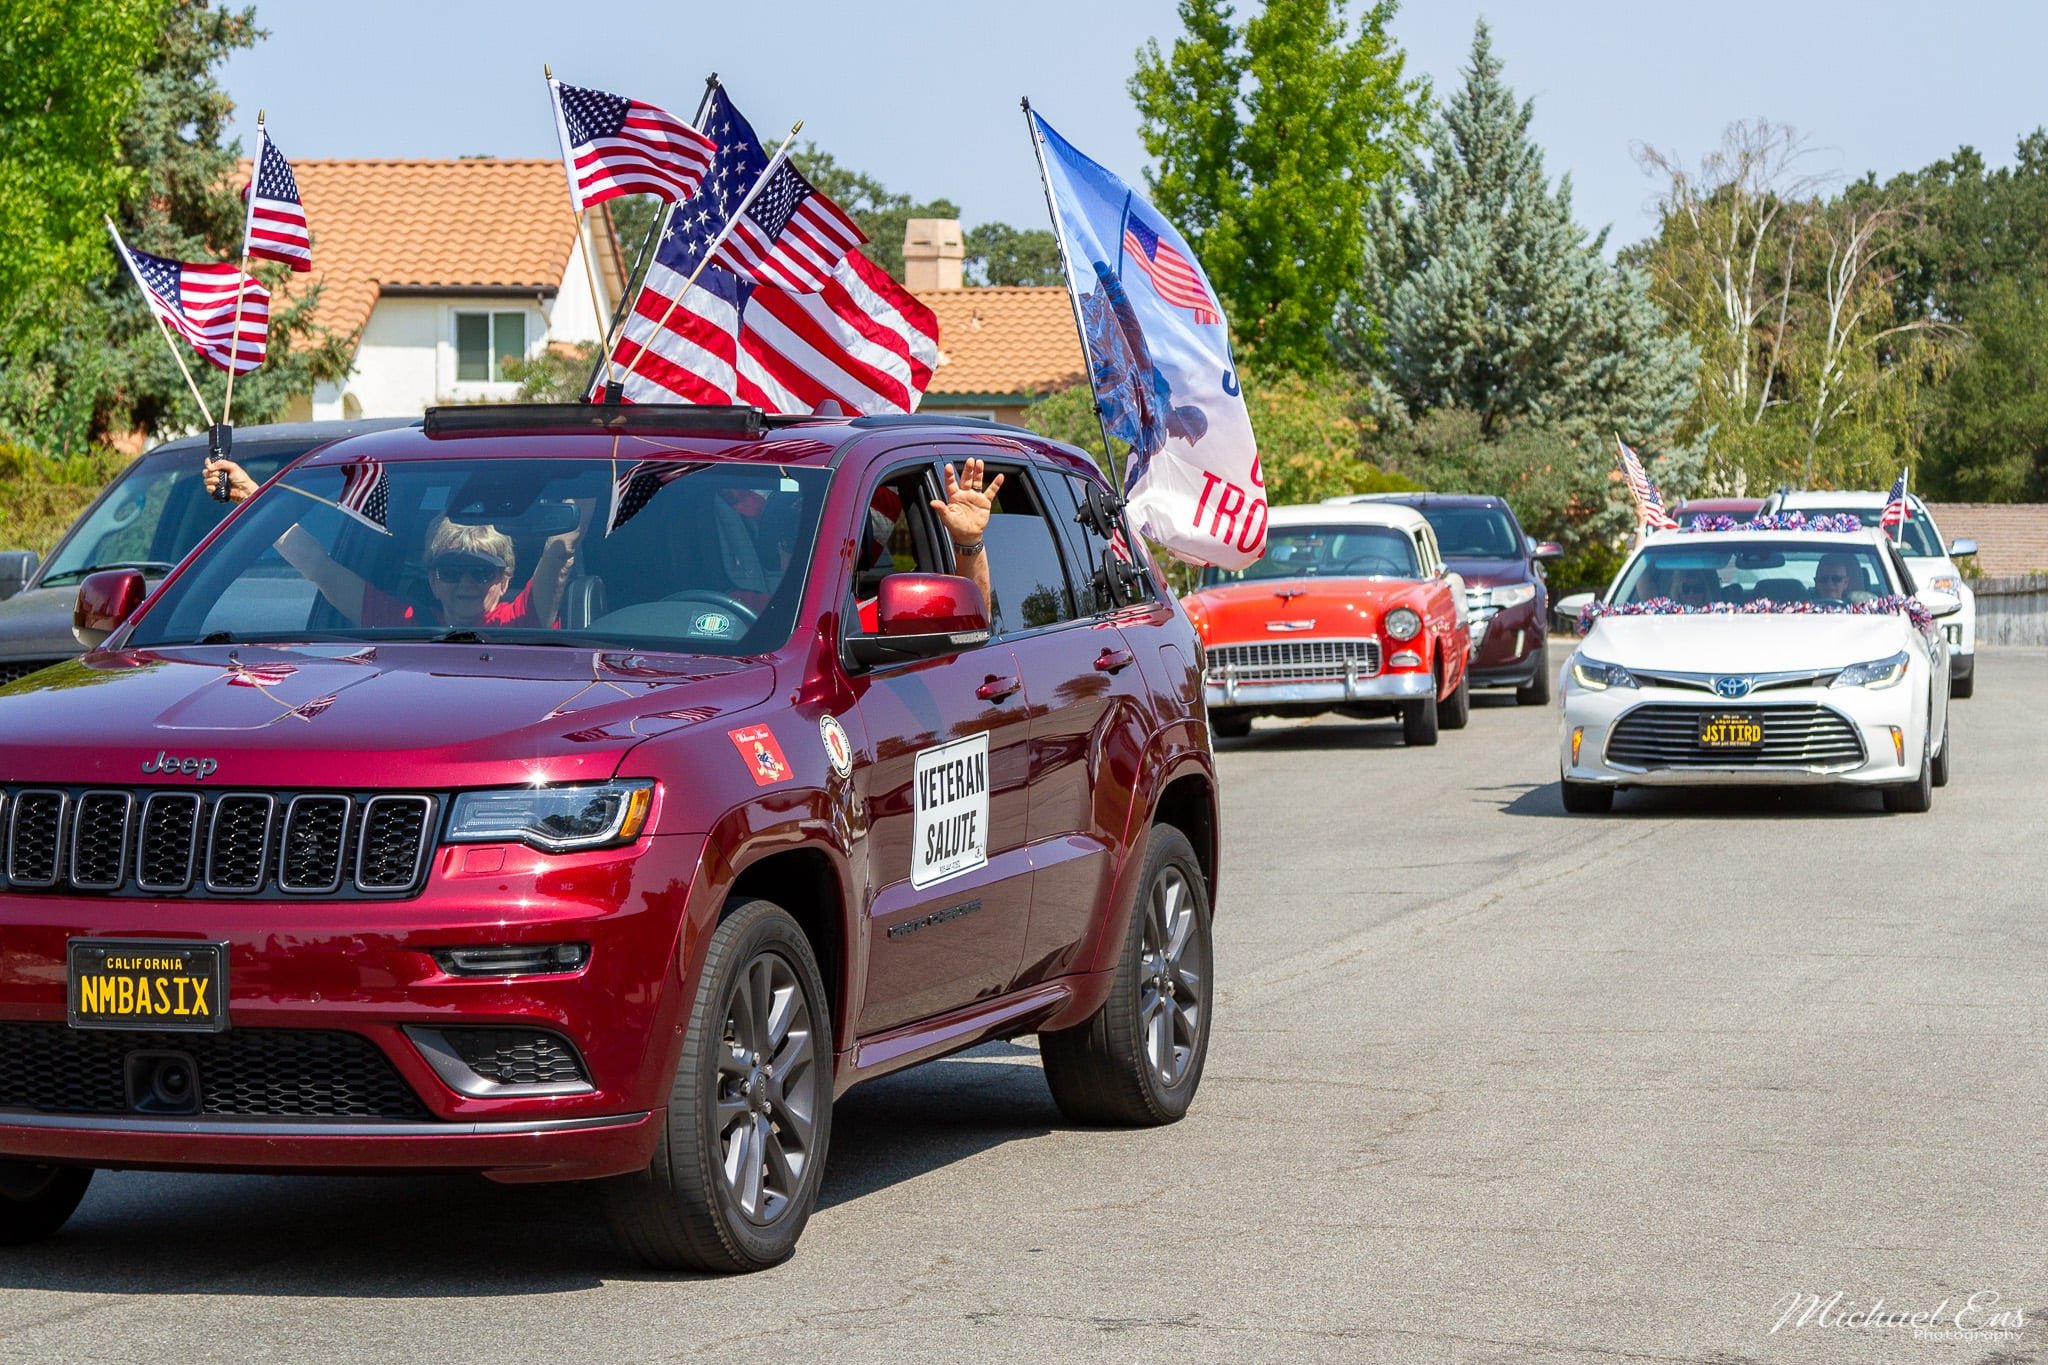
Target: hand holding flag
{"x":1649,"y":505}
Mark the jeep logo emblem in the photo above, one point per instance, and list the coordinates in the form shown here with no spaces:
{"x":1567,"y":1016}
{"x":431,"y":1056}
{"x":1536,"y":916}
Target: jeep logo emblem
{"x":201,"y":768}
{"x":1732,"y":688}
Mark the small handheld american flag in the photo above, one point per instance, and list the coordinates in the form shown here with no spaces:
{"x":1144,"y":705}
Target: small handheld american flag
{"x":612,"y":145}
{"x":276,"y":226}
{"x":197,"y":300}
{"x":1643,"y":490}
{"x":1897,"y":511}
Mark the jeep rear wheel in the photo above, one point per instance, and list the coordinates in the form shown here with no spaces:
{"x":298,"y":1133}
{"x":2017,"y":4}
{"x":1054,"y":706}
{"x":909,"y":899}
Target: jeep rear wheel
{"x":742,"y":1152}
{"x":37,"y":1200}
{"x":1138,"y":1060}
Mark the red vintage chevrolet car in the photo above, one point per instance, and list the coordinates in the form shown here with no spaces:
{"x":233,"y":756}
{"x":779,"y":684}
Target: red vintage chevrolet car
{"x":1351,"y":610}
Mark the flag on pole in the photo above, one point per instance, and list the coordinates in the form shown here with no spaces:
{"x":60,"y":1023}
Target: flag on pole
{"x":861,"y":340}
{"x":1640,"y":487}
{"x":275,"y":228}
{"x":1159,"y":361}
{"x":366,"y":494}
{"x":612,"y":145}
{"x":1897,"y":512}
{"x":198,"y":301}
{"x":790,"y":236}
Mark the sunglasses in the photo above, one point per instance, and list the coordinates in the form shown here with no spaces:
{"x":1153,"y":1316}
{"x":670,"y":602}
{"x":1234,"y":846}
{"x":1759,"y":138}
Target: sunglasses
{"x":453,"y":571}
{"x":1831,"y":578}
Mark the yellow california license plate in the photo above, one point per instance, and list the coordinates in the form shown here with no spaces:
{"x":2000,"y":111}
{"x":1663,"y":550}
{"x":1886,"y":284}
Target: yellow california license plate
{"x":1737,"y":730}
{"x":144,"y":984}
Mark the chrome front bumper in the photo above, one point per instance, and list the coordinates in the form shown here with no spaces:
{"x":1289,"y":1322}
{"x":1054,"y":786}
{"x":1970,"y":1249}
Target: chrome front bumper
{"x":1226,"y":689}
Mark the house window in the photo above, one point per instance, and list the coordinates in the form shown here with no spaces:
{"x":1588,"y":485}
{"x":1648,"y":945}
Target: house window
{"x":484,"y":342}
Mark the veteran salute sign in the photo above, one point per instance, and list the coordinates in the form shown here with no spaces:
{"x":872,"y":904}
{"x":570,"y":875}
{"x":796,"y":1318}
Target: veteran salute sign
{"x":952,"y":811}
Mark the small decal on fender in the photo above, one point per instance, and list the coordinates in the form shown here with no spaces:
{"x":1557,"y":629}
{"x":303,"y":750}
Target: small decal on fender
{"x":763,"y":755}
{"x":838,"y":748}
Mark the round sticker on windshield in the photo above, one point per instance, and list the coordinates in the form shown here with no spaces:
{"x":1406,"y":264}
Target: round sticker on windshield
{"x":712,"y":623}
{"x":838,"y":748}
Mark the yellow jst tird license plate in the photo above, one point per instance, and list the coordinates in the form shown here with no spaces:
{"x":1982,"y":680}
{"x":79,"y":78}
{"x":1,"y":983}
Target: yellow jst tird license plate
{"x":144,"y":984}
{"x":1738,"y":730}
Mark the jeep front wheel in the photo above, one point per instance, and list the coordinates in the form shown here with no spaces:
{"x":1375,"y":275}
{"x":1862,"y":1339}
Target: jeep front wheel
{"x":1138,"y":1060}
{"x":742,"y":1151}
{"x":37,"y":1200}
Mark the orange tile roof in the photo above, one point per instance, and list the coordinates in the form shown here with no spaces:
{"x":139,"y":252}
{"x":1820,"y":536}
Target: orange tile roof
{"x":1009,"y":340}
{"x":436,"y":224}
{"x":2012,"y":537}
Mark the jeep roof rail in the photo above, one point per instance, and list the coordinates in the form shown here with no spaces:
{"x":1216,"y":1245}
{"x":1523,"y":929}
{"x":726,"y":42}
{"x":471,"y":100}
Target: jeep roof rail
{"x":478,"y":419}
{"x":935,"y":419}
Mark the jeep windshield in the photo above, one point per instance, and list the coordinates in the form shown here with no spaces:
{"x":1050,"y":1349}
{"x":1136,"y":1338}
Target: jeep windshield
{"x":157,"y":510}
{"x":668,"y":554}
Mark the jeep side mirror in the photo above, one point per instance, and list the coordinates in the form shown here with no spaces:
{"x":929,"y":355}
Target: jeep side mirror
{"x":1960,"y":547}
{"x":1548,"y":549}
{"x":16,"y":568}
{"x":105,"y":600}
{"x":922,"y":616}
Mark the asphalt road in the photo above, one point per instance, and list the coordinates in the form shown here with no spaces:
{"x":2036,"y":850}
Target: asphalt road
{"x":1488,"y":1084}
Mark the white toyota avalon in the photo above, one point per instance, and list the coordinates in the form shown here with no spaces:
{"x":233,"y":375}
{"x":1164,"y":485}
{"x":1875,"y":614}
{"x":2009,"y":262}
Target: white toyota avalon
{"x":1759,"y":656}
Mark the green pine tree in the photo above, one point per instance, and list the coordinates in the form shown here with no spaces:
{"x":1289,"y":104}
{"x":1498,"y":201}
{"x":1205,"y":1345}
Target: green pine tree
{"x":1481,"y":292}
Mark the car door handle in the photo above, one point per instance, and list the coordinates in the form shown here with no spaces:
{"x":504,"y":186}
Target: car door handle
{"x":997,"y":689}
{"x":1113,"y":660}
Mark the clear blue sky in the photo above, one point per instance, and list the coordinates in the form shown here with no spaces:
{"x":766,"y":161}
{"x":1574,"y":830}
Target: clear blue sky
{"x":924,"y":96}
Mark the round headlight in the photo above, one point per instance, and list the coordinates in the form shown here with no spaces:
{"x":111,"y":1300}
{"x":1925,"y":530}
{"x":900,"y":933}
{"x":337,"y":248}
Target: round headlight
{"x":1403,"y":624}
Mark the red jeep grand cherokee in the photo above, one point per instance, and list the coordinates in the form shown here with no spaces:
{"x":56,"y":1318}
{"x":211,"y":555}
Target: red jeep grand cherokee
{"x":523,"y":794}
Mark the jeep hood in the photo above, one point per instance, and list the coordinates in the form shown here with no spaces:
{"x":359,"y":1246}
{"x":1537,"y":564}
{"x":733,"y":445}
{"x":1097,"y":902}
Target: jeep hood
{"x":389,"y":716}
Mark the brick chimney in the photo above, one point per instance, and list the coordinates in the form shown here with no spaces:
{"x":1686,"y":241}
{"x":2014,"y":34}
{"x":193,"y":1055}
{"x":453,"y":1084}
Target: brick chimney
{"x":934,"y":253}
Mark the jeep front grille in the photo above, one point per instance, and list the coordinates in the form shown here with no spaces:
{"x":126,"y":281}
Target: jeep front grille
{"x":1296,"y":660}
{"x":191,"y":843}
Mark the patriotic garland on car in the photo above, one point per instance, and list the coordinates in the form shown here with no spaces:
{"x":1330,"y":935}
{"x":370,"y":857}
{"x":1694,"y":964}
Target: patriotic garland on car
{"x":1908,"y":607}
{"x":1839,"y":524}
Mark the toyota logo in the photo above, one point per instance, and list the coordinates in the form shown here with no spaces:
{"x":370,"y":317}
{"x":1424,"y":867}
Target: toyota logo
{"x":1732,"y":687}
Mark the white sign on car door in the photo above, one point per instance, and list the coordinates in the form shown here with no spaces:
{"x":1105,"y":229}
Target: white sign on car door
{"x":952,"y":811}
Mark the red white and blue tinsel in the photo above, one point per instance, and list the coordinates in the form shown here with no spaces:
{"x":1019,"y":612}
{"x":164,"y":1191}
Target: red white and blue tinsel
{"x":1839,"y":524}
{"x":1908,"y":607}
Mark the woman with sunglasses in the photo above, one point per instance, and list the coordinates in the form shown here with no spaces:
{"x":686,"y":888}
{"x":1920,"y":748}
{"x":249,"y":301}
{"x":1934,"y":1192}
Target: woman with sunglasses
{"x":469,"y":569}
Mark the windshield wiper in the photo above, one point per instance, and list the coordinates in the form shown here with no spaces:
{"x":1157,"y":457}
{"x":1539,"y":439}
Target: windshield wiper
{"x":460,"y":636}
{"x":73,"y":575}
{"x":219,"y":637}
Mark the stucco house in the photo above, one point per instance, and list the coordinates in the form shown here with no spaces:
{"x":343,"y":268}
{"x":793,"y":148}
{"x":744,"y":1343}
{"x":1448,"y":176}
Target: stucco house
{"x":1000,"y":348}
{"x":443,"y":270}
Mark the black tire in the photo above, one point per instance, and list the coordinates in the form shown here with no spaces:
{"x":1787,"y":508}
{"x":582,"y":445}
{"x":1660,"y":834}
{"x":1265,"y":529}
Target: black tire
{"x":1948,"y":742}
{"x":1455,"y":712}
{"x":1586,"y":798}
{"x":1536,"y":692}
{"x":1418,"y":722}
{"x":1964,"y":683}
{"x":37,"y":1200}
{"x":1914,"y":798}
{"x":682,"y":1212}
{"x":1230,"y":724}
{"x":1106,"y":1071}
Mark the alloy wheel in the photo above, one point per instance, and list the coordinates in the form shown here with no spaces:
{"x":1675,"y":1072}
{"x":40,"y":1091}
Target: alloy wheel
{"x":1173,"y":978}
{"x":768,"y":1097}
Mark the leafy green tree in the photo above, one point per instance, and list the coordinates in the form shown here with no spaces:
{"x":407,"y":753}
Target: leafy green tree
{"x":1481,"y":292}
{"x":1989,"y":440}
{"x":71,"y":82}
{"x":1000,"y":254}
{"x":1270,"y":136}
{"x":102,"y":369}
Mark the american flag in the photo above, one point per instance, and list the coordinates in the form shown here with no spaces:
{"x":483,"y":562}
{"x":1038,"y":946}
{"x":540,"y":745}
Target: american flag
{"x":790,"y":236}
{"x":198,"y":301}
{"x":1644,"y":491}
{"x":1897,"y":512}
{"x":612,"y":145}
{"x":1171,"y":273}
{"x":634,"y":486}
{"x":366,"y":494}
{"x":862,"y":341}
{"x":276,"y":227}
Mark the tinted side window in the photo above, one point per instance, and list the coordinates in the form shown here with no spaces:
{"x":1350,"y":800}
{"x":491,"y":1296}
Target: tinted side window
{"x":1024,"y":565}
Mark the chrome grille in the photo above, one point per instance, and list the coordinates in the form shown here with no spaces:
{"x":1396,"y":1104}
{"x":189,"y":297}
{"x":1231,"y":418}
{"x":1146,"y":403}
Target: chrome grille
{"x":1794,"y":737}
{"x":172,"y":843}
{"x":99,"y":840}
{"x":1296,"y":660}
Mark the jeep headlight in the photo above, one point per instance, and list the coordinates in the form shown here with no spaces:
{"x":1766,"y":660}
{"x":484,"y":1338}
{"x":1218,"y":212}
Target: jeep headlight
{"x":1403,"y":624}
{"x":1595,"y":676}
{"x":553,"y":819}
{"x":1878,"y":673}
{"x":1514,"y":594}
